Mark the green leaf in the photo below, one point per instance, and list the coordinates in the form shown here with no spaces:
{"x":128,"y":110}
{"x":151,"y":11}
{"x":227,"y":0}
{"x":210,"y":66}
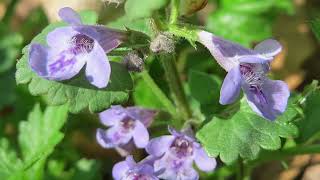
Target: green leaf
{"x":136,"y":9}
{"x":37,"y":138}
{"x":315,"y":26}
{"x":239,"y":27}
{"x":245,"y":133}
{"x":77,"y":91}
{"x":141,"y":25}
{"x":44,"y":131}
{"x":9,"y":162}
{"x":310,"y":125}
{"x":204,"y":88}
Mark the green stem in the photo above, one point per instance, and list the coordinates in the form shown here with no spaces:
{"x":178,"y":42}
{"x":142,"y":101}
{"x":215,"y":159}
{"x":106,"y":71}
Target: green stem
{"x":158,"y":92}
{"x":286,"y":153}
{"x":174,"y":11}
{"x":188,"y":33}
{"x":176,"y":87}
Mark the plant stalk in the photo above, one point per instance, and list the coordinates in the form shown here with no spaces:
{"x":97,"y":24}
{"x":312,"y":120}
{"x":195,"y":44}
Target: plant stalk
{"x":176,"y":87}
{"x":167,"y":104}
{"x":174,"y":11}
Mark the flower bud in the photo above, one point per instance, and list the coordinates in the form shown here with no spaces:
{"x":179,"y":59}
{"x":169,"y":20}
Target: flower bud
{"x":163,"y":43}
{"x":188,"y":7}
{"x":133,"y":62}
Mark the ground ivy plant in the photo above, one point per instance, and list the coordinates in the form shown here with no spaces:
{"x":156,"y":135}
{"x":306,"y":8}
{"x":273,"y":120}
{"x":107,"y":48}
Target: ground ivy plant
{"x":191,"y":119}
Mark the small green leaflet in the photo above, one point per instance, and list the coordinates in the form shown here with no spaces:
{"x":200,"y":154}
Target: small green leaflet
{"x":37,"y":138}
{"x":76,"y":92}
{"x":141,"y":25}
{"x":245,"y":133}
{"x":136,"y":9}
{"x":309,"y":126}
{"x":9,"y":162}
{"x":315,"y":26}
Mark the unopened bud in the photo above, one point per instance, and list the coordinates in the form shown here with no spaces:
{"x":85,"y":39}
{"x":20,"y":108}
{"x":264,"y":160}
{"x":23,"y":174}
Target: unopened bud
{"x":188,"y":7}
{"x":133,"y":62}
{"x":163,"y":43}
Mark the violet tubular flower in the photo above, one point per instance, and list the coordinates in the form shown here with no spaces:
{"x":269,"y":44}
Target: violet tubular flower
{"x":176,"y":153}
{"x":71,"y":47}
{"x":125,"y":124}
{"x":247,"y":69}
{"x":130,"y":170}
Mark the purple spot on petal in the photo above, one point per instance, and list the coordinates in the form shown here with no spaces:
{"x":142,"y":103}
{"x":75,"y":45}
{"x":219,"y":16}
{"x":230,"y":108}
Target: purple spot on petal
{"x":61,"y":64}
{"x":259,"y":94}
{"x":82,"y":44}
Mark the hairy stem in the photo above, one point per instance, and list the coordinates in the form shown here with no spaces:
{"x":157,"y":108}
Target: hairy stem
{"x":176,"y":87}
{"x":167,"y":104}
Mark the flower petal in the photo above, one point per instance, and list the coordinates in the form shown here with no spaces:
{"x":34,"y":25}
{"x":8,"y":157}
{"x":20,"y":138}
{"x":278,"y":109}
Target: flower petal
{"x":63,"y":65}
{"x":203,"y":161}
{"x":98,"y":69}
{"x":271,"y":101}
{"x":119,"y":170}
{"x":268,"y":48}
{"x":158,"y":146}
{"x":140,"y":135}
{"x":175,"y":168}
{"x":102,"y":139}
{"x":112,"y":116}
{"x":145,"y":116}
{"x":114,"y":137}
{"x":108,"y":39}
{"x":70,"y":16}
{"x":255,"y":59}
{"x":222,"y":50}
{"x":38,"y":59}
{"x":53,"y":65}
{"x":60,"y":38}
{"x":130,"y":161}
{"x":231,"y":86}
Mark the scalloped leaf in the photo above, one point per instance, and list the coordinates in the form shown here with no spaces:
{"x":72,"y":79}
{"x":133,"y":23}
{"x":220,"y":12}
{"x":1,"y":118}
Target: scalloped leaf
{"x":245,"y":133}
{"x":77,"y":91}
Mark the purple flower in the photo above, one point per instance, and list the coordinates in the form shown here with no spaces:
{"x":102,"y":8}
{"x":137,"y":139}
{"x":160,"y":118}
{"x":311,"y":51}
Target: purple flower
{"x":247,"y":69}
{"x":130,"y":170}
{"x":71,"y":47}
{"x":176,"y":154}
{"x":125,"y":124}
